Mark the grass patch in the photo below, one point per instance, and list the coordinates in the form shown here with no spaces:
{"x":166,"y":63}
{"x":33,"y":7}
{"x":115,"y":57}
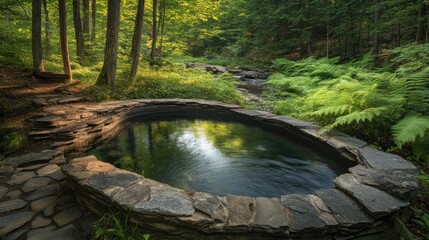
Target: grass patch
{"x":112,"y":227}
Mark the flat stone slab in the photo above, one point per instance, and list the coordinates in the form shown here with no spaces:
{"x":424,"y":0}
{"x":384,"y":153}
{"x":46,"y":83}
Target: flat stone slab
{"x":345,"y":210}
{"x":166,"y":201}
{"x":269,"y":213}
{"x":20,"y":177}
{"x":15,"y":194}
{"x":210,"y":205}
{"x":67,"y":216}
{"x":44,"y":191}
{"x":40,"y":233}
{"x":32,"y":158}
{"x":17,"y":234}
{"x":43,"y":203}
{"x":399,"y":183}
{"x":304,"y":216}
{"x":35,"y":183}
{"x":14,"y":221}
{"x":377,"y":202}
{"x":11,"y":205}
{"x":241,"y":211}
{"x":381,"y":160}
{"x":3,"y":191}
{"x":39,"y":222}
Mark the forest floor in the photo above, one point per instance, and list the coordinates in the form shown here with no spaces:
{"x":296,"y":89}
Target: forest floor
{"x":18,"y":89}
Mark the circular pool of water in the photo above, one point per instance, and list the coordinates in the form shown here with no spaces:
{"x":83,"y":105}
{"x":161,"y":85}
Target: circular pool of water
{"x":221,"y":157}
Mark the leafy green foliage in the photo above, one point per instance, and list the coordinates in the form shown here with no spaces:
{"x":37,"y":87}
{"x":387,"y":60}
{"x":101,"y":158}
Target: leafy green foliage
{"x":112,"y":227}
{"x":375,"y":104}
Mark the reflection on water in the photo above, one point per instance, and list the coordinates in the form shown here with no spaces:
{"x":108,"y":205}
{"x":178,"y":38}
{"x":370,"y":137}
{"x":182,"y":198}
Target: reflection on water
{"x":220,"y":158}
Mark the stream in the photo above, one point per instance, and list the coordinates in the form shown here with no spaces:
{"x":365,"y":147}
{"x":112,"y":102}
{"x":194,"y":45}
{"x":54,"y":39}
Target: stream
{"x":249,"y":84}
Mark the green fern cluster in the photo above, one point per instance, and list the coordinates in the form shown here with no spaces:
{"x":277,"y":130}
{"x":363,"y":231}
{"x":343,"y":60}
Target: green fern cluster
{"x":381,"y":105}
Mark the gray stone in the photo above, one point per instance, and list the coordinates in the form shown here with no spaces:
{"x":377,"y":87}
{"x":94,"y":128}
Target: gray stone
{"x":87,"y":222}
{"x":68,"y":232}
{"x":3,"y":191}
{"x":325,"y":213}
{"x":115,"y":177}
{"x":48,"y":169}
{"x":44,"y":191}
{"x":381,"y":160}
{"x":166,"y":201}
{"x":270,"y":214}
{"x":43,"y":203}
{"x":31,"y":168}
{"x":133,"y":194}
{"x":14,"y":221}
{"x":304,"y":216}
{"x":241,"y":211}
{"x":20,"y":177}
{"x":32,"y":158}
{"x":399,"y":183}
{"x":35,"y":183}
{"x":40,"y":233}
{"x":345,"y":210}
{"x":378,"y":202}
{"x":17,"y":234}
{"x":15,"y":194}
{"x":39,"y":222}
{"x":67,"y":216}
{"x":210,"y":205}
{"x":12,"y":205}
{"x":48,"y":211}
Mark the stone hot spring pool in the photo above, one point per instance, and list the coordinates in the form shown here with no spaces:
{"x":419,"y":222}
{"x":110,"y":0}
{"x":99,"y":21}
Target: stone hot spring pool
{"x":221,"y":156}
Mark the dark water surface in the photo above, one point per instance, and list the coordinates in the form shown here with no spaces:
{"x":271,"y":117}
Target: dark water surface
{"x":220,"y":158}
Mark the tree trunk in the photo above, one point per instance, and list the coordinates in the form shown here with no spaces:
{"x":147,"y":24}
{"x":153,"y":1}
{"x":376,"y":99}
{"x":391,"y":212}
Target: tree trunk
{"x":93,"y":13}
{"x":37,"y":37}
{"x":376,"y":43}
{"x":154,"y":33}
{"x":78,"y":31}
{"x":137,"y":39}
{"x":161,"y":33}
{"x":108,"y":71}
{"x":85,"y":19}
{"x":63,"y":38}
{"x":47,"y":29}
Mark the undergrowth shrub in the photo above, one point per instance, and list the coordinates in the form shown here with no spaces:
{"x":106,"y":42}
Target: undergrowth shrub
{"x":385,"y":107}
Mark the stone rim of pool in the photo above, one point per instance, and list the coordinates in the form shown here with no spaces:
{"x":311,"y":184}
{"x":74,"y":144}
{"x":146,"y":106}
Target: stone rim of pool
{"x":363,"y":202}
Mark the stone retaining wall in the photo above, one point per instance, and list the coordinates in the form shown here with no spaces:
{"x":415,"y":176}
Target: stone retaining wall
{"x":364,"y":202}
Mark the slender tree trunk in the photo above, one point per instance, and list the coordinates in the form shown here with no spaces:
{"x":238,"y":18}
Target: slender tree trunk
{"x":162,"y":28}
{"x":327,"y":39}
{"x":154,"y":33}
{"x":62,"y":9}
{"x":108,"y":71}
{"x":78,"y":31}
{"x":85,"y":19}
{"x":137,"y":39}
{"x":47,"y":29}
{"x":376,"y":43}
{"x":37,"y":37}
{"x":94,"y":20}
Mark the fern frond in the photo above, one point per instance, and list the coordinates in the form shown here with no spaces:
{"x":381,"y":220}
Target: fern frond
{"x":410,"y":129}
{"x":358,"y":116}
{"x":333,"y":110}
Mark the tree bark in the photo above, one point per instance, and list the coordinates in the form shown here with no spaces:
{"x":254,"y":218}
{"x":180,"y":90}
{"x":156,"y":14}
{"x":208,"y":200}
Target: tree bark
{"x":85,"y":19}
{"x":62,"y":9}
{"x":376,"y":43}
{"x":108,"y":71}
{"x":137,"y":39}
{"x":154,"y":33}
{"x":161,"y":33}
{"x":93,"y":16}
{"x":47,"y":29}
{"x":78,"y":31}
{"x":37,"y":37}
